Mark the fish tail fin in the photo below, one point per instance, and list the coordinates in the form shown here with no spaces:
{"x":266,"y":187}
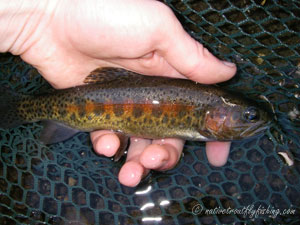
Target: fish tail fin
{"x":9,"y":116}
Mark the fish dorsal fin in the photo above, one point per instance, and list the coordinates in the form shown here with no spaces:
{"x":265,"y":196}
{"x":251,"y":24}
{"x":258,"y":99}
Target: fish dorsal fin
{"x":107,"y":74}
{"x":55,"y":132}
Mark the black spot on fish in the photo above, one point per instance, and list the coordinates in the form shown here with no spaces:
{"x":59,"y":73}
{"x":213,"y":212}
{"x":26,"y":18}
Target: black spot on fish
{"x":173,"y":121}
{"x":62,"y":112}
{"x":48,"y":107}
{"x":188,"y":120}
{"x":78,"y":101}
{"x":197,"y":114}
{"x":165,"y":119}
{"x":21,"y":111}
{"x":181,"y":113}
{"x":73,"y":117}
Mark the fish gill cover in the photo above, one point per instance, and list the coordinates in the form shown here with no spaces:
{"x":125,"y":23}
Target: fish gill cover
{"x":68,"y":183}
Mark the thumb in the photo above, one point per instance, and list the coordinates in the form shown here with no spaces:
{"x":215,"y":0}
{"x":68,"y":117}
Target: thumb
{"x":191,"y":59}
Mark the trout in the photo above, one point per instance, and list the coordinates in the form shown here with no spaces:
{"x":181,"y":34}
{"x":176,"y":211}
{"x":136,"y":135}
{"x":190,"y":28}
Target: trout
{"x":137,"y":105}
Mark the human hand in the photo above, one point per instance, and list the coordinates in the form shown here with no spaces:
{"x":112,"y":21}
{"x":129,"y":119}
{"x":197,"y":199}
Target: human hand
{"x":65,"y":40}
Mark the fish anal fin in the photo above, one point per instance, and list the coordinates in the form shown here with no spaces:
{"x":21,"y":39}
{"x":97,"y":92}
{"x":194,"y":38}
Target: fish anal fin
{"x":107,"y":74}
{"x":55,"y":132}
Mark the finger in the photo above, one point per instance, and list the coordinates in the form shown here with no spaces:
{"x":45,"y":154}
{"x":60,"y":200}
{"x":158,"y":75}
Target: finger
{"x":152,"y":64}
{"x":137,"y":146}
{"x":208,"y":69}
{"x":133,"y":171}
{"x":162,"y":154}
{"x":190,"y":58}
{"x":217,"y":152}
{"x":105,"y":142}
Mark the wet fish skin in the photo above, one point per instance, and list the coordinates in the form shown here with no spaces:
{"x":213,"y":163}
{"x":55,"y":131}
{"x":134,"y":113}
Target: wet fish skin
{"x":143,"y":106}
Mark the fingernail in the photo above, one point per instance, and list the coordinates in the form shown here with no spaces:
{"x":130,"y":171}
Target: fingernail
{"x":230,"y":64}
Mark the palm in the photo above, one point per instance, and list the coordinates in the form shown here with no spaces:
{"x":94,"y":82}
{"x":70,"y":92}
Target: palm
{"x":71,"y":46}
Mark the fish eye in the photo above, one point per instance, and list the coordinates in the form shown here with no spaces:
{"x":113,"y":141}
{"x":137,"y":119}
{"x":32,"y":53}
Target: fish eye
{"x":251,"y":114}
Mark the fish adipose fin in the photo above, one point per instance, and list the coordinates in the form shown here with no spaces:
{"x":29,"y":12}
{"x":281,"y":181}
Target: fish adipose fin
{"x":107,"y":74}
{"x":55,"y":132}
{"x":9,"y":115}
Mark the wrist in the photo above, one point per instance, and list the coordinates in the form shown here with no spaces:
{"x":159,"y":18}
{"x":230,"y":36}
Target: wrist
{"x":20,"y":20}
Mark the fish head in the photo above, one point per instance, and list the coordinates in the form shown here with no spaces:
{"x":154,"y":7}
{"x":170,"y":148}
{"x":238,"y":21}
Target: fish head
{"x":236,"y":121}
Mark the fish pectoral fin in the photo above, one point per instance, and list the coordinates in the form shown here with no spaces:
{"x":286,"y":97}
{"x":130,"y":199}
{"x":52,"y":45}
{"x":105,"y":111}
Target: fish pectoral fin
{"x":123,"y":146}
{"x":107,"y":74}
{"x":55,"y":132}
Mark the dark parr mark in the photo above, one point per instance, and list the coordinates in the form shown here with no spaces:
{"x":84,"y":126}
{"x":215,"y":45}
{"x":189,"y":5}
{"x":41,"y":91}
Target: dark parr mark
{"x":157,"y":111}
{"x":137,"y":111}
{"x":181,"y":113}
{"x":82,"y":112}
{"x":118,"y":110}
{"x":98,"y":110}
{"x":188,"y":120}
{"x":165,"y":119}
{"x":173,"y":121}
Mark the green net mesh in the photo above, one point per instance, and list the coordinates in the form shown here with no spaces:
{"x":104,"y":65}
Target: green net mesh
{"x":67,"y":183}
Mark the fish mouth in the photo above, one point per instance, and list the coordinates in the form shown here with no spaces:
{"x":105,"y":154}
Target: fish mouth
{"x":255,"y":129}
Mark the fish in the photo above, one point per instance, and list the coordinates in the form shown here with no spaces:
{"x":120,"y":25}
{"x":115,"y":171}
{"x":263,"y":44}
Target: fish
{"x":136,"y":105}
